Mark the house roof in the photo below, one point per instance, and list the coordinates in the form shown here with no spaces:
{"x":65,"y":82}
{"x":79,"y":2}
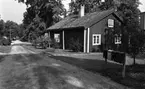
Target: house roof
{"x":85,"y":21}
{"x":142,"y":13}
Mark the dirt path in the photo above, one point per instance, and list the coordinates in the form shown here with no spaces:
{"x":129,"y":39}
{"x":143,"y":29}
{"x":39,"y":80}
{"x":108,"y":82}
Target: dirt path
{"x":39,"y":71}
{"x":17,"y":49}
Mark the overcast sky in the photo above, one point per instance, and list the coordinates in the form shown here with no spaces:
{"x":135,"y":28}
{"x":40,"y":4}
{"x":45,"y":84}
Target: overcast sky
{"x":12,"y":10}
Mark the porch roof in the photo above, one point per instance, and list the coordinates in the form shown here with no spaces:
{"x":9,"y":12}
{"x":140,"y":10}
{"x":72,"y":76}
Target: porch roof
{"x":85,"y":21}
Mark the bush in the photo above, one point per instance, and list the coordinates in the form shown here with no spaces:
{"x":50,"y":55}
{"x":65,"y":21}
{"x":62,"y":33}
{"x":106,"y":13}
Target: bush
{"x":39,"y":43}
{"x":55,"y":44}
{"x":5,"y":42}
{"x":75,"y":45}
{"x":95,"y":49}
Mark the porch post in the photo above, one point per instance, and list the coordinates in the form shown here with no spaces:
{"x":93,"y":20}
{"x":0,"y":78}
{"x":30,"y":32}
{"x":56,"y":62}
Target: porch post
{"x":63,"y":40}
{"x":88,"y":41}
{"x":85,"y":33}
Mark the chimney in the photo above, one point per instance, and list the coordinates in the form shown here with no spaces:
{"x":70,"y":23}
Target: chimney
{"x":82,"y":10}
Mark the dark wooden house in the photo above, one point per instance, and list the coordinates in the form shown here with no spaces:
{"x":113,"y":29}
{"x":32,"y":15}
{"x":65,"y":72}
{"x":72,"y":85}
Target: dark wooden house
{"x":142,"y":20}
{"x":89,"y":30}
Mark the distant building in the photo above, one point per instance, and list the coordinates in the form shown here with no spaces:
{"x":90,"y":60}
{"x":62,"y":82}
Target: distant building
{"x":89,"y":29}
{"x":142,"y":20}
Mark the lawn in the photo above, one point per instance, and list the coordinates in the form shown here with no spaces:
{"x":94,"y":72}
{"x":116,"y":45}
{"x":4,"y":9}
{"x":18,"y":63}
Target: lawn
{"x":135,"y":75}
{"x":5,"y":49}
{"x":41,"y":71}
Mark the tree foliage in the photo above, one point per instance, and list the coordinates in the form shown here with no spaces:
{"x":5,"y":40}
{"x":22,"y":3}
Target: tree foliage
{"x":10,"y":30}
{"x":90,"y":6}
{"x":41,"y":14}
{"x":47,"y":10}
{"x":2,"y":26}
{"x":136,"y":45}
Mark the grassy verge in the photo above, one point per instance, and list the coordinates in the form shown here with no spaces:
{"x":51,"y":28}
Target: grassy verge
{"x":135,"y":75}
{"x":5,"y":49}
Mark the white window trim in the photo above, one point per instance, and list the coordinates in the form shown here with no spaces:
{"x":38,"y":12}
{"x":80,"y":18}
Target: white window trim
{"x":99,"y":43}
{"x":111,"y":23}
{"x":57,"y":37}
{"x":117,"y":39}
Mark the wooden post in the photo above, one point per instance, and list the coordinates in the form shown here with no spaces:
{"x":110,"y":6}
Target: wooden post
{"x":106,"y":57}
{"x":85,"y":33}
{"x":88,"y":39}
{"x":63,"y":40}
{"x":124,"y":67}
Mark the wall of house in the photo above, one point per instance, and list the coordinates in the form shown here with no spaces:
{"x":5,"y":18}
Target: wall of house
{"x":99,"y":28}
{"x":142,"y":20}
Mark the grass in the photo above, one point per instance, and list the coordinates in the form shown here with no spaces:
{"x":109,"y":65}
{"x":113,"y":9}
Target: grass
{"x":5,"y":49}
{"x":134,"y":74}
{"x":38,"y":50}
{"x":141,"y":56}
{"x":13,"y":75}
{"x":39,"y":71}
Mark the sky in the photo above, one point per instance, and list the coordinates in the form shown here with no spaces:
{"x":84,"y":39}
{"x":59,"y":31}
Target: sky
{"x":12,"y":10}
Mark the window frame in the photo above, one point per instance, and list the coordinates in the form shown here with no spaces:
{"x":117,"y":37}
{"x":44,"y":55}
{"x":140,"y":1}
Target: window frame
{"x":117,"y":39}
{"x":57,"y":37}
{"x":111,"y":23}
{"x":96,"y":41}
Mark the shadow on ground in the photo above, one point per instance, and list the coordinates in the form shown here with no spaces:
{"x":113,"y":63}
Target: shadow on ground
{"x":44,"y":73}
{"x":135,"y":75}
{"x":2,"y":57}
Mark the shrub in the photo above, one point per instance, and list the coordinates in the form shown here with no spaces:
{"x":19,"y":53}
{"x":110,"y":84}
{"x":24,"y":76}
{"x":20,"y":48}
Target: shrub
{"x":55,"y":44}
{"x":5,"y":42}
{"x":75,"y":45}
{"x":39,"y":43}
{"x":95,"y":49}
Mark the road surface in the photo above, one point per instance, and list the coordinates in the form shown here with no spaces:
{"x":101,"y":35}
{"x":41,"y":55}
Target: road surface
{"x":17,"y":49}
{"x":24,"y":69}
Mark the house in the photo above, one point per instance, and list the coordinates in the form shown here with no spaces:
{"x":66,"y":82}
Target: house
{"x":142,"y":20}
{"x":89,"y":29}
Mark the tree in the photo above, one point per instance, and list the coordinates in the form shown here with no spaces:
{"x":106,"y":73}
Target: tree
{"x":130,"y":13}
{"x":41,"y":14}
{"x":21,"y":30}
{"x":90,"y":6}
{"x":11,"y":29}
{"x":136,"y":44}
{"x":2,"y":27}
{"x":108,"y":4}
{"x":47,"y":10}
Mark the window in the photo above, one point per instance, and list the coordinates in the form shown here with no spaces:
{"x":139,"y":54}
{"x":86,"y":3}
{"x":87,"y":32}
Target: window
{"x":117,"y":39}
{"x":110,"y":23}
{"x":96,"y":39}
{"x":57,"y":38}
